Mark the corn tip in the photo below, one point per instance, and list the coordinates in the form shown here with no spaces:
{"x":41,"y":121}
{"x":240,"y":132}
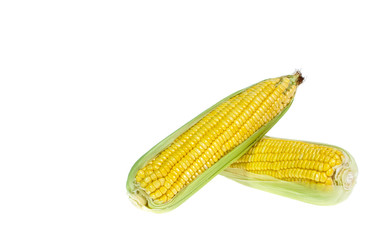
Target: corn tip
{"x":299,"y":77}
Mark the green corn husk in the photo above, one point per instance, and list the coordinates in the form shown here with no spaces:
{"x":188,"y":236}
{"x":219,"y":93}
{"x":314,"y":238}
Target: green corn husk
{"x":138,"y":196}
{"x":344,"y":180}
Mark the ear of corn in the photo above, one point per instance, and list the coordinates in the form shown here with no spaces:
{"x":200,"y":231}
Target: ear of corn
{"x":182,"y":163}
{"x":311,"y":172}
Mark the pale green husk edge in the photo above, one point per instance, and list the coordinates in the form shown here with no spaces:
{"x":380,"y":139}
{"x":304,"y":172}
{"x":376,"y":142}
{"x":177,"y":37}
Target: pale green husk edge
{"x":206,"y":176}
{"x":297,"y":191}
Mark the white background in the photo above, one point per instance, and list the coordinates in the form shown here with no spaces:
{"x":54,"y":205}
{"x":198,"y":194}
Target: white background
{"x":87,"y":87}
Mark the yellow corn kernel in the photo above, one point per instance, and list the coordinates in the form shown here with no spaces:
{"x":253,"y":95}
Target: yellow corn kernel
{"x":291,"y":160}
{"x":212,"y":137}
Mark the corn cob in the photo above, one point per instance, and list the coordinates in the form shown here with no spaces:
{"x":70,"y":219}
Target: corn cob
{"x":183,"y":162}
{"x":311,"y":172}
